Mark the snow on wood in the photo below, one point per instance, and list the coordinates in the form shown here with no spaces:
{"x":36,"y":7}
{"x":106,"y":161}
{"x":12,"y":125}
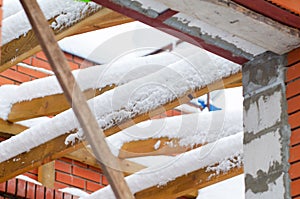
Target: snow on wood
{"x":154,"y":5}
{"x":116,"y":73}
{"x":210,"y":154}
{"x":126,"y":101}
{"x":65,"y":13}
{"x":136,"y":39}
{"x":74,"y":191}
{"x":191,"y":129}
{"x":26,"y":178}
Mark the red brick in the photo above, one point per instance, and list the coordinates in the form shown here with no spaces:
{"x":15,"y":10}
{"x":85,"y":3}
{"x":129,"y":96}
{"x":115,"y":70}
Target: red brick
{"x":31,"y":72}
{"x":98,"y":170}
{"x":104,"y":180}
{"x":41,"y":64}
{"x":30,"y":192}
{"x":71,"y":180}
{"x":293,"y":56}
{"x":293,"y":72}
{"x":80,"y":164}
{"x":78,"y":60}
{"x":50,"y":193}
{"x":67,"y":160}
{"x":85,"y":173}
{"x":69,"y":57}
{"x":58,"y":195}
{"x":2,"y":186}
{"x":11,"y":186}
{"x":59,"y":185}
{"x":4,"y":81}
{"x":41,"y":55}
{"x":16,"y":75}
{"x":34,"y":171}
{"x":293,"y":104}
{"x":293,"y":88}
{"x":294,"y":154}
{"x":91,"y":186}
{"x":21,"y":188}
{"x":73,"y":66}
{"x":295,"y":137}
{"x":40,"y":191}
{"x":63,"y":166}
{"x":294,"y":120}
{"x":295,"y":187}
{"x":28,"y":61}
{"x":294,"y":170}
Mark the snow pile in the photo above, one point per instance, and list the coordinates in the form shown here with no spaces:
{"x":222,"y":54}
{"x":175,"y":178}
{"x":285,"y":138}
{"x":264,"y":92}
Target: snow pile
{"x":126,"y":101}
{"x":27,"y":179}
{"x":208,"y":155}
{"x":191,"y":129}
{"x":118,"y":72}
{"x":74,"y":191}
{"x":66,"y":13}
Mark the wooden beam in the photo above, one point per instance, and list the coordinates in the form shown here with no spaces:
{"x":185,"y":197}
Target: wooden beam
{"x":56,"y":148}
{"x":186,"y":184}
{"x":46,"y":174}
{"x":86,"y":156}
{"x":146,"y":148}
{"x":25,"y":46}
{"x":47,"y":106}
{"x":11,"y":128}
{"x":94,"y":135}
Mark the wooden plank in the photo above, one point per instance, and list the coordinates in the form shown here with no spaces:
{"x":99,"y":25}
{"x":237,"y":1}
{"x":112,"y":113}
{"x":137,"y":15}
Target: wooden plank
{"x":86,"y":156}
{"x":29,"y":45}
{"x":11,"y":128}
{"x":146,"y":148}
{"x":46,"y":174}
{"x":56,"y":148}
{"x":75,"y":97}
{"x":47,"y":106}
{"x":186,"y":184}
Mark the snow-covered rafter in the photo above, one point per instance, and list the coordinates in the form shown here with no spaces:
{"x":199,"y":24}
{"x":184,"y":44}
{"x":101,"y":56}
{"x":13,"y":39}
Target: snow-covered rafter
{"x":52,"y":145}
{"x":19,"y":42}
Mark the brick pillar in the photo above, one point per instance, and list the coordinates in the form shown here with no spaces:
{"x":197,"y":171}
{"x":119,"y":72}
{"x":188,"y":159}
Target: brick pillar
{"x":266,"y":128}
{"x":293,"y":99}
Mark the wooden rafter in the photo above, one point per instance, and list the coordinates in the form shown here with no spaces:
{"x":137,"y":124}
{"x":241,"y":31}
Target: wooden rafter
{"x":186,"y":184}
{"x":94,"y":135}
{"x":28,"y":45}
{"x":56,"y":148}
{"x":146,"y":148}
{"x":11,"y":128}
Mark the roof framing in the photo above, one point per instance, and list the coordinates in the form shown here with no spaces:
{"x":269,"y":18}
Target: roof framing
{"x":25,"y":46}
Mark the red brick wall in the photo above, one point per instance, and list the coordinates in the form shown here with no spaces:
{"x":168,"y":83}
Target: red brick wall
{"x":293,"y":109}
{"x":18,"y":74}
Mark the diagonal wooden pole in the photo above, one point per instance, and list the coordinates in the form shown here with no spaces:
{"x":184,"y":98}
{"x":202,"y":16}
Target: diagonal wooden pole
{"x":94,"y":135}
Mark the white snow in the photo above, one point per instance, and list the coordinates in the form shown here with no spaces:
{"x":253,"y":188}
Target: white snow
{"x":126,"y":101}
{"x":34,"y":68}
{"x":27,"y":179}
{"x":207,"y":155}
{"x":66,"y":13}
{"x":132,"y":39}
{"x":191,"y":129}
{"x":118,"y":72}
{"x":157,"y":145}
{"x":34,"y":121}
{"x":233,"y":188}
{"x":74,"y":191}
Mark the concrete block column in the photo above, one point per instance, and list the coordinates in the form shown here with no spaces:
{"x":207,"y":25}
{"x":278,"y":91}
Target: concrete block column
{"x":266,"y":128}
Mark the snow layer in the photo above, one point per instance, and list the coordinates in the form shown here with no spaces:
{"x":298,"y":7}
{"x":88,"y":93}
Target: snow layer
{"x":191,"y":129}
{"x":134,"y":39}
{"x":209,"y":154}
{"x":126,"y":101}
{"x":27,"y":179}
{"x":118,"y":72}
{"x":233,"y":188}
{"x":66,"y":13}
{"x":74,"y":191}
{"x":154,"y":5}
